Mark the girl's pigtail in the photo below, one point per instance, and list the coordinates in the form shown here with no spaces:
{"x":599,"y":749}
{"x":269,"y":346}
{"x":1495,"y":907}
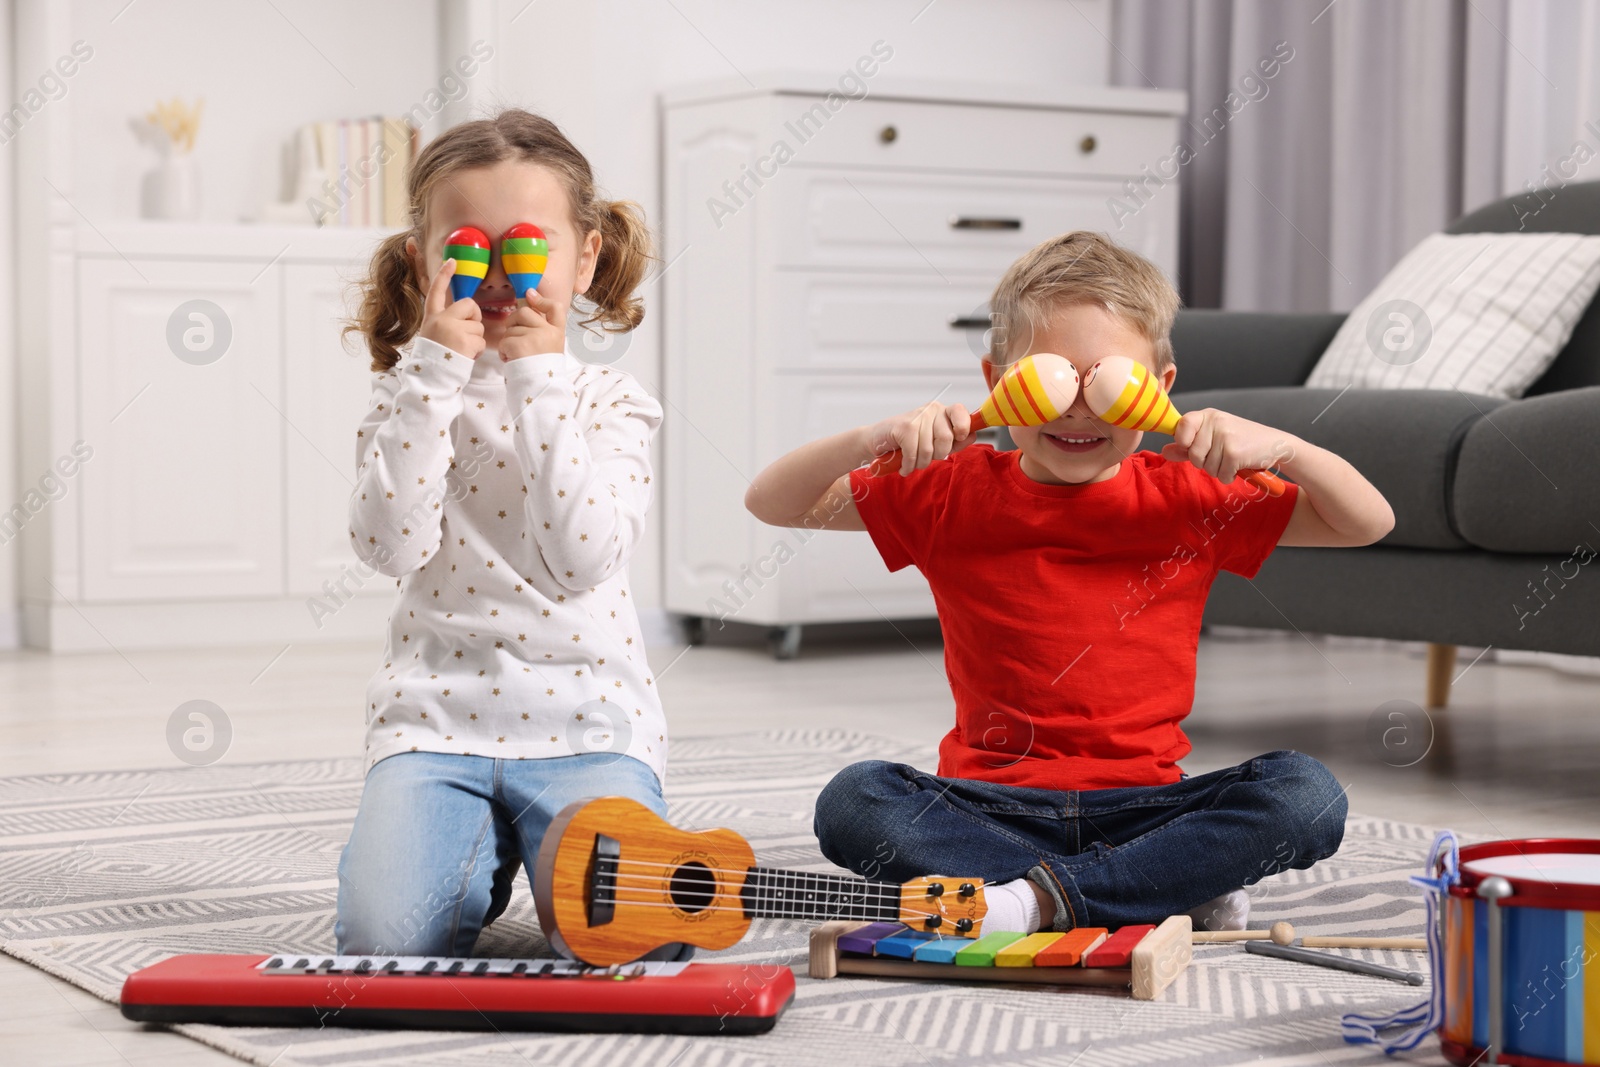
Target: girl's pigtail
{"x":391,"y":303}
{"x":625,"y":256}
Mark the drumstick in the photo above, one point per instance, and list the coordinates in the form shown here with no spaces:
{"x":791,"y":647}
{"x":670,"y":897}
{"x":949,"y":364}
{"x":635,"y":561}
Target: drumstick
{"x":1328,"y":959}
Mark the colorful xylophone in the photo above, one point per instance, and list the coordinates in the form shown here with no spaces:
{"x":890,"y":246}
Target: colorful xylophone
{"x":1143,"y":958}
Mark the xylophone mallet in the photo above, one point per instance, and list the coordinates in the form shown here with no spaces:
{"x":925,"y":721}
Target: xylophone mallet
{"x":1282,"y":933}
{"x":1279,"y":933}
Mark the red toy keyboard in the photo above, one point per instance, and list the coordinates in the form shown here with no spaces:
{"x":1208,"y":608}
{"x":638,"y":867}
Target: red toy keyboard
{"x":437,"y":993}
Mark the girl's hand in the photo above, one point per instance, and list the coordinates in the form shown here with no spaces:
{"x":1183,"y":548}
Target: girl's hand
{"x":537,"y":327}
{"x":457,"y":325}
{"x":1222,"y":445}
{"x":923,"y":435}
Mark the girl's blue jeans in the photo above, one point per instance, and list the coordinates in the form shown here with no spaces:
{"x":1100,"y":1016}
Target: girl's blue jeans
{"x":438,"y":839}
{"x":1107,"y":857}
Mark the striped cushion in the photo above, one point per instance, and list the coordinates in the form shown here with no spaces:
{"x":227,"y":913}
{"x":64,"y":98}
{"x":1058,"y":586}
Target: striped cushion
{"x":1484,"y":313}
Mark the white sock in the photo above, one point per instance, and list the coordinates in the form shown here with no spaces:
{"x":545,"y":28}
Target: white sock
{"x":1230,"y":911}
{"x":1011,"y":906}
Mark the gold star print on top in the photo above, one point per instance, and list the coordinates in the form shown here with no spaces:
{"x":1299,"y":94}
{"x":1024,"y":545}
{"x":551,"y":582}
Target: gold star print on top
{"x":507,"y":498}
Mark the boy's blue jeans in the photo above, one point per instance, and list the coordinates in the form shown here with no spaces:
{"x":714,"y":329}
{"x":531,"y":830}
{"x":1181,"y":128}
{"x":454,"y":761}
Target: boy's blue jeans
{"x":438,"y":839}
{"x":1108,"y":857}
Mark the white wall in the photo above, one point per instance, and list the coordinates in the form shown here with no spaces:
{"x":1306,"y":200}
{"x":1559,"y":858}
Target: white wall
{"x":615,"y":56}
{"x":594,"y":66}
{"x":262,"y":75}
{"x":10,"y":619}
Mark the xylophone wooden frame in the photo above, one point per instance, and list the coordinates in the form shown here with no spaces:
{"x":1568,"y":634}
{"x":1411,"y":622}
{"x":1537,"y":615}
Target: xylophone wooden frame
{"x":1158,"y":959}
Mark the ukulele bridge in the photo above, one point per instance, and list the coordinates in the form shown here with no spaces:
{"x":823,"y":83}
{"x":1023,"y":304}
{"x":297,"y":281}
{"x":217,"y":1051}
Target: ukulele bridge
{"x":603,"y":862}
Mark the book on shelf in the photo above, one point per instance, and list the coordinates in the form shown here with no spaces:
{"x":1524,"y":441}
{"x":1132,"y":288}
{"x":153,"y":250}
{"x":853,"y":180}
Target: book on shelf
{"x":364,"y":163}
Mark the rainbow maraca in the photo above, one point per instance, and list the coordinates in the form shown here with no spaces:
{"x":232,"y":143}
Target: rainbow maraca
{"x":1124,"y":393}
{"x":1034,"y":390}
{"x":469,"y":247}
{"x":523,"y":255}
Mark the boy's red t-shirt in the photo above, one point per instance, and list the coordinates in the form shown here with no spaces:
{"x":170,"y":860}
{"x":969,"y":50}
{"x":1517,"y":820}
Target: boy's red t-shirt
{"x":1071,"y":613}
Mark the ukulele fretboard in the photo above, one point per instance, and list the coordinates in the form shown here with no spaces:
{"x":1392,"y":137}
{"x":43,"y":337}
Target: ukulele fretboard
{"x":777,"y":894}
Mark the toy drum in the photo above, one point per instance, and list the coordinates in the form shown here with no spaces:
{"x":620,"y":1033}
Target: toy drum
{"x":1522,"y":954}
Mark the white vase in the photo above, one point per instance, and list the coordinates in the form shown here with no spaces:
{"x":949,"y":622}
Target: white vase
{"x":171,"y":188}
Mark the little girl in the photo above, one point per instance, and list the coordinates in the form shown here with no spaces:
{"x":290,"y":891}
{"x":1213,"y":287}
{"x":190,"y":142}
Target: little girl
{"x":504,"y":484}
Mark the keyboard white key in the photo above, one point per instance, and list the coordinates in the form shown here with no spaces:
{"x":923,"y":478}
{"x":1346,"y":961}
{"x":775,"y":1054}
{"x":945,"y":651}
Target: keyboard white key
{"x":454,"y":966}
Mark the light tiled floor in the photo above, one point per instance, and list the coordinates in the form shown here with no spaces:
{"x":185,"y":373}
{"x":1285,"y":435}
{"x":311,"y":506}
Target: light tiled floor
{"x":1515,"y":755}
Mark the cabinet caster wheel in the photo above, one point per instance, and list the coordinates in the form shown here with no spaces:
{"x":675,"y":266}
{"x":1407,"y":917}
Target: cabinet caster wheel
{"x":694,"y":630}
{"x":785,"y":641}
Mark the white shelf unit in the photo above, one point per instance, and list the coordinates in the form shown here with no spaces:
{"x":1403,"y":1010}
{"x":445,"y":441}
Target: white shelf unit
{"x":214,"y":505}
{"x":839,"y":286}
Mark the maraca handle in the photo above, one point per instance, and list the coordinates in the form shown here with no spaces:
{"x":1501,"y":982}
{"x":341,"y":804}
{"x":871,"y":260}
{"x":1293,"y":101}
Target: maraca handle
{"x":890,"y":461}
{"x":1265,"y":480}
{"x":884,"y":464}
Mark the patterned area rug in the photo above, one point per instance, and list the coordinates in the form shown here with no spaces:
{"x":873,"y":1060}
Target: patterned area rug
{"x":101,"y":874}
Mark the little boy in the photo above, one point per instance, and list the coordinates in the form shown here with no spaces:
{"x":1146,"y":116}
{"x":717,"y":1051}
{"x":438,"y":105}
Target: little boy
{"x":1069,"y":576}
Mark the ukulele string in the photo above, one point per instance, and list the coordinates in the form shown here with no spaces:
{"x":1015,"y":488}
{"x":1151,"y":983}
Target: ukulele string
{"x":656,"y":880}
{"x":742,"y":871}
{"x":771,"y":876}
{"x":763,"y":915}
{"x":643,"y":893}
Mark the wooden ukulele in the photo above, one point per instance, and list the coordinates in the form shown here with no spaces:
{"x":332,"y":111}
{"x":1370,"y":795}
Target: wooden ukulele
{"x":613,"y":880}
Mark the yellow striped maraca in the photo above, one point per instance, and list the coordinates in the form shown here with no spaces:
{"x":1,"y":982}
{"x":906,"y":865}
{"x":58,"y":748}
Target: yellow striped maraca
{"x":1124,"y":393}
{"x":1034,"y":390}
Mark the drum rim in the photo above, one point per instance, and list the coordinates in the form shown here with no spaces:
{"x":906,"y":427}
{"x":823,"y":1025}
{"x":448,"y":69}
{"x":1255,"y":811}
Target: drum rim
{"x":1532,"y":891}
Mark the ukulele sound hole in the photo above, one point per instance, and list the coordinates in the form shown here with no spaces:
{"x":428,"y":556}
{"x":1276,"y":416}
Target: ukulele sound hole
{"x":693,"y":886}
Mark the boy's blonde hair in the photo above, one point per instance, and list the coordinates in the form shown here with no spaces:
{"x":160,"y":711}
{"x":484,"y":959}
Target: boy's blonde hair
{"x":1081,"y":268}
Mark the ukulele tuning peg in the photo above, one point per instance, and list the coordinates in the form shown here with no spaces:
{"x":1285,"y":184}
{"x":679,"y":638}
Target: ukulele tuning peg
{"x":968,"y":890}
{"x":936,"y":889}
{"x":964,"y":925}
{"x":933,"y":922}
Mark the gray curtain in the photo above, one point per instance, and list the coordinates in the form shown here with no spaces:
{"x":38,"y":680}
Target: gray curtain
{"x":1326,"y":140}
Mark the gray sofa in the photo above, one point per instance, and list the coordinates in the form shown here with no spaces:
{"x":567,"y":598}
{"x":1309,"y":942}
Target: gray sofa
{"x":1497,"y":503}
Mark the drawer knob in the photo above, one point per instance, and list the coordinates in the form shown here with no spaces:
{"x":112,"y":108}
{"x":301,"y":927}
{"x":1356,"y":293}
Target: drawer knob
{"x":1088,"y":144}
{"x":888,"y":134}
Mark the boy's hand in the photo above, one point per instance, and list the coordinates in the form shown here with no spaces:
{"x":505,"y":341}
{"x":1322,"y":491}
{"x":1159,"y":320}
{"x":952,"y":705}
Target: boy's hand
{"x":536,"y":327}
{"x":1222,"y":445}
{"x":458,"y":325}
{"x":923,"y":435}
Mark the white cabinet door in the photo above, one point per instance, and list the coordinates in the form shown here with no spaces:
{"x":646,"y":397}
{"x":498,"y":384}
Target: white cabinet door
{"x":840,"y":576}
{"x":328,"y":390}
{"x":184,"y":495}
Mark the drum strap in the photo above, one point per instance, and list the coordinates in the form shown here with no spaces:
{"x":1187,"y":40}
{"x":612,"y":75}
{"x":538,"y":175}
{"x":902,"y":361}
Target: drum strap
{"x":1444,"y":867}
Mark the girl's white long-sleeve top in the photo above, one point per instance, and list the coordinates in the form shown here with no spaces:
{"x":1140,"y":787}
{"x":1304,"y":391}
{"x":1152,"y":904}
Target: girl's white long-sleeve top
{"x":506,"y":499}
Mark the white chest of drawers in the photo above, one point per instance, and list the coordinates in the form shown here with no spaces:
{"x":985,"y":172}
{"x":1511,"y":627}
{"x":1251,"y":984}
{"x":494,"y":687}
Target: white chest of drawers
{"x":829,"y":266}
